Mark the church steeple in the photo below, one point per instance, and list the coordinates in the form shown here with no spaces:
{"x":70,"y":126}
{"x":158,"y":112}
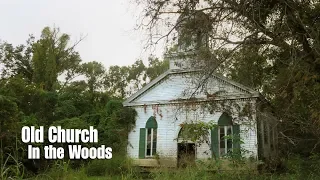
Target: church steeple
{"x":193,"y":31}
{"x":193,"y":34}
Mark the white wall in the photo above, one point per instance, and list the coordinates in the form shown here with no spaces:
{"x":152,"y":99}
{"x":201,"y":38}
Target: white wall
{"x":181,"y":86}
{"x":169,"y":117}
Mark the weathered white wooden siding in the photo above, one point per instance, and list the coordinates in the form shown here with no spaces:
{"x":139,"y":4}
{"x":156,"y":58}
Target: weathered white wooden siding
{"x":169,"y":117}
{"x":180,"y":86}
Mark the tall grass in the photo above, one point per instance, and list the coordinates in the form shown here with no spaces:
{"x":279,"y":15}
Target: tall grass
{"x":12,"y":171}
{"x":121,"y":168}
{"x":116,"y":168}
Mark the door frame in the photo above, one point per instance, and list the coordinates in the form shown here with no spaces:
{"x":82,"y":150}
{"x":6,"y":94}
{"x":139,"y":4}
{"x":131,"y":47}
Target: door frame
{"x":186,"y":143}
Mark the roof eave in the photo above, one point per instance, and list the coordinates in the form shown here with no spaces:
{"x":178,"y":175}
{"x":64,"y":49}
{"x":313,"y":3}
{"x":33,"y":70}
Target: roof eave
{"x":128,"y":101}
{"x":163,"y":102}
{"x":153,"y":82}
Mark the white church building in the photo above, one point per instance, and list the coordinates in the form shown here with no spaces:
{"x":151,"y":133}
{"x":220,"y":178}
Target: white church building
{"x":174,"y":98}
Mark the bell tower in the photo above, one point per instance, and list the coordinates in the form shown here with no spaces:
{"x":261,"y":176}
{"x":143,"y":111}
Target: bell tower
{"x":193,"y":34}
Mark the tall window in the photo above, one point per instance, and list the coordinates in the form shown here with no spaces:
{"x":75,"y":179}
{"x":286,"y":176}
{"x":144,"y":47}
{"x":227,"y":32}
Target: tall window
{"x":225,"y":138}
{"x":151,"y":140}
{"x":148,"y":139}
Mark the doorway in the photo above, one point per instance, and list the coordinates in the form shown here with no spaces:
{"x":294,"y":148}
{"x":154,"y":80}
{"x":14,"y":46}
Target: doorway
{"x":186,"y":154}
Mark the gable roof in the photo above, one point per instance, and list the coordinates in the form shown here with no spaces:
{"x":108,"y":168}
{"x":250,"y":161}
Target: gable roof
{"x":129,"y":101}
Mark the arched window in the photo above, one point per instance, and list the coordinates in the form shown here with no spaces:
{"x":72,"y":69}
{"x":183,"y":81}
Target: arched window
{"x":225,"y":132}
{"x":148,"y":139}
{"x":225,"y":137}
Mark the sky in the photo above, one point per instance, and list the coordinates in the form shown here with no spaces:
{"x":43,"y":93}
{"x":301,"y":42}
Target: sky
{"x":107,"y":25}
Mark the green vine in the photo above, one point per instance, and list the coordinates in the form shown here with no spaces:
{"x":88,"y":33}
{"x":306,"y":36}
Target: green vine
{"x":196,"y":131}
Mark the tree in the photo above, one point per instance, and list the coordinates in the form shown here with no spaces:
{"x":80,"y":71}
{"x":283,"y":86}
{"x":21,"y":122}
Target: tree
{"x":93,"y":72}
{"x":31,"y":95}
{"x":123,"y":81}
{"x":156,"y":67}
{"x":52,"y":57}
{"x":116,"y":80}
{"x":17,"y":60}
{"x":41,"y":61}
{"x":137,"y":76}
{"x":8,"y":117}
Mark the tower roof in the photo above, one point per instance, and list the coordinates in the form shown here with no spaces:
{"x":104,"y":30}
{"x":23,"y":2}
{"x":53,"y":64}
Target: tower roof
{"x":187,"y":19}
{"x":193,"y":29}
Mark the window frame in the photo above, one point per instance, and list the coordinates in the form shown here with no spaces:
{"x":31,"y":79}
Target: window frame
{"x":152,"y":126}
{"x":226,"y":149}
{"x":151,"y":141}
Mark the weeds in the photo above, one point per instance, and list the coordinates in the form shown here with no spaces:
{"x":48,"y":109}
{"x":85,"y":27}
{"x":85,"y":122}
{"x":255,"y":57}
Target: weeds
{"x":14,"y":171}
{"x":123,"y":169}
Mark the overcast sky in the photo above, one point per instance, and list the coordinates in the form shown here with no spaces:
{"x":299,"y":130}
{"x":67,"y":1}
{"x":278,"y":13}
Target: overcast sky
{"x":108,"y":24}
